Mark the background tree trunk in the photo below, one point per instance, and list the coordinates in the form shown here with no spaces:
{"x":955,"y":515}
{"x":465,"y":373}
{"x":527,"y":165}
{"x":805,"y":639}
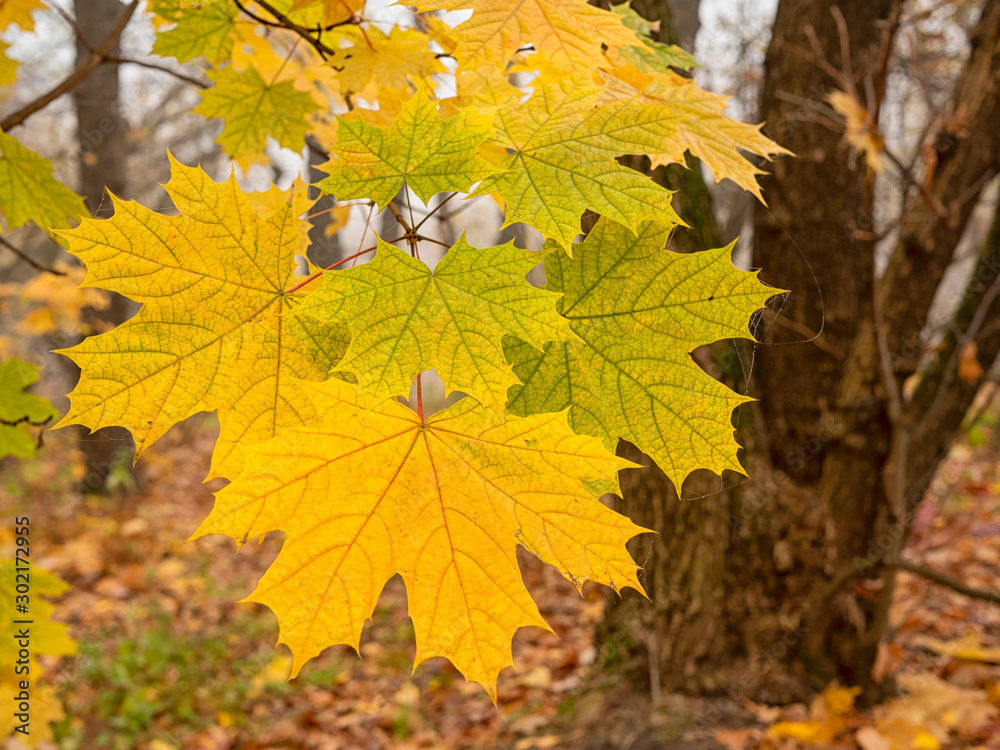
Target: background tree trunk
{"x":102,"y":133}
{"x":771,"y":587}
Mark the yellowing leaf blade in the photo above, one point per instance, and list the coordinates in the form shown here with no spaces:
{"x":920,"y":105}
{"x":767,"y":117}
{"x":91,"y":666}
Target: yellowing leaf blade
{"x":201,"y":28}
{"x":702,"y":127}
{"x":406,"y":319}
{"x":640,"y":310}
{"x":569,"y":33}
{"x":253,"y":110}
{"x":562,"y":161}
{"x":20,"y":411}
{"x":429,"y":154}
{"x":214,"y":332}
{"x":362,"y":495}
{"x":28,"y":192}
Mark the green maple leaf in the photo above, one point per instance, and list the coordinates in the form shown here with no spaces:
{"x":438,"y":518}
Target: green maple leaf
{"x":639,"y":311}
{"x":562,"y":158}
{"x":406,"y":319}
{"x":28,"y":192}
{"x":253,"y":110}
{"x":20,"y":410}
{"x":203,"y":28}
{"x":430,"y":154}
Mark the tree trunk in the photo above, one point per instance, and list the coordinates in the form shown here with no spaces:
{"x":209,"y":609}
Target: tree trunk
{"x":776,"y":585}
{"x":102,"y":132}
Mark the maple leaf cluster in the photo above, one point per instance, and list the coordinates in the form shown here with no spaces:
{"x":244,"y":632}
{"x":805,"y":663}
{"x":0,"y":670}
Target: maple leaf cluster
{"x":305,"y":372}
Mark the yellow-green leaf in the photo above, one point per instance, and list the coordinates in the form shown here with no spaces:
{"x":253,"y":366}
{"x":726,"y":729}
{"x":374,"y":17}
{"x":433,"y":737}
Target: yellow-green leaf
{"x":702,"y":127}
{"x":48,"y":636}
{"x":430,"y":154}
{"x":214,"y":331}
{"x":202,"y":28}
{"x":29,"y":192}
{"x":644,"y":53}
{"x":20,"y":412}
{"x":640,"y":310}
{"x":406,"y":319}
{"x":562,"y":158}
{"x":253,"y":110}
{"x":362,"y":496}
{"x":45,"y":637}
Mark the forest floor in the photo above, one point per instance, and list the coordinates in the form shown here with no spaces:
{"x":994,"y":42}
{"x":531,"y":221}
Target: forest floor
{"x":169,"y":657}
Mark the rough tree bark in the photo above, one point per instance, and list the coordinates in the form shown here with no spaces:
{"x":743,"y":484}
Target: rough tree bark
{"x":774,"y":586}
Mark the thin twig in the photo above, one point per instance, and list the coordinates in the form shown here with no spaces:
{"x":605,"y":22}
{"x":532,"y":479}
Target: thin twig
{"x":940,"y":578}
{"x":75,"y":26}
{"x":431,"y":239}
{"x":961,"y":340}
{"x":881,"y":76}
{"x":28,"y":259}
{"x":939,"y":210}
{"x":289,"y":24}
{"x":399,"y":217}
{"x":433,"y":211}
{"x":156,"y":66}
{"x":77,"y":77}
{"x":847,"y":69}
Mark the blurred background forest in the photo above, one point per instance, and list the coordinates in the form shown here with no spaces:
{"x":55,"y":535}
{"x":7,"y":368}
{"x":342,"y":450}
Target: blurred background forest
{"x":846,"y":595}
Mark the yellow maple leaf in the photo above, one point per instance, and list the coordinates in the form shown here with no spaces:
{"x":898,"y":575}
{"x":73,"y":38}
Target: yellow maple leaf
{"x":46,"y":636}
{"x":334,"y":11}
{"x":702,"y":127}
{"x":274,"y":199}
{"x":362,"y":496}
{"x":376,"y":60}
{"x":830,"y":715}
{"x":200,"y":28}
{"x":19,"y":12}
{"x":931,"y":711}
{"x":967,"y":648}
{"x":630,"y":374}
{"x":568,"y":33}
{"x":214,"y":331}
{"x":44,"y":709}
{"x":299,"y":64}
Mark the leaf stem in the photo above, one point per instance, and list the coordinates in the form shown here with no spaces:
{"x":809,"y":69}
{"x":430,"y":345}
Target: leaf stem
{"x":420,"y":400}
{"x":318,"y":273}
